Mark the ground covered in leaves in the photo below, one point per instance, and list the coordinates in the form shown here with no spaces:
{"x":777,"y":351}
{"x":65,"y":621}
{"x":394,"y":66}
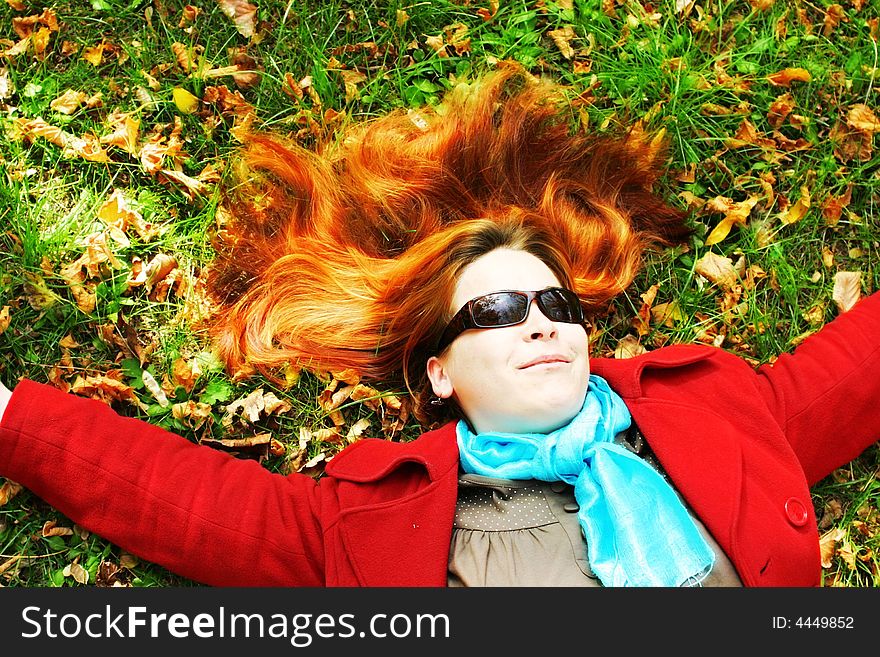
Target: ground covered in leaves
{"x":119,"y":119}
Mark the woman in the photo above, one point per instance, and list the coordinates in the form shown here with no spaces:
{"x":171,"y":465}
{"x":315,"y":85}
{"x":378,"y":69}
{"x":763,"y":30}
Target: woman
{"x":539,"y":470}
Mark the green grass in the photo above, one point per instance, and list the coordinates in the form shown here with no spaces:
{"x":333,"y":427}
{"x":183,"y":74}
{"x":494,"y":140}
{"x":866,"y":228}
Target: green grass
{"x":698,"y":75}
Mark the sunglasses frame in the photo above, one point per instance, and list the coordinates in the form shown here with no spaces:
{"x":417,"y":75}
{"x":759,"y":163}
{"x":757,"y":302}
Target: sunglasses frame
{"x":464,"y":319}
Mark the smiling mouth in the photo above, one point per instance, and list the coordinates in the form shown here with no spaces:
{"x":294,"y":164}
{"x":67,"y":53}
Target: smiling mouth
{"x":545,"y":360}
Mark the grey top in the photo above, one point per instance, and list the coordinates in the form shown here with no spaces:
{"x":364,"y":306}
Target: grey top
{"x":526,"y":533}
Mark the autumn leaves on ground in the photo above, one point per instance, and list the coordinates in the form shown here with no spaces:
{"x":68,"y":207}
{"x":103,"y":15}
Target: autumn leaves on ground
{"x":119,"y":120}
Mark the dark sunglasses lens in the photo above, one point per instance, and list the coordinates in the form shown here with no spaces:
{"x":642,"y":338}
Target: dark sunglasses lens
{"x":560,"y":305}
{"x":499,"y":309}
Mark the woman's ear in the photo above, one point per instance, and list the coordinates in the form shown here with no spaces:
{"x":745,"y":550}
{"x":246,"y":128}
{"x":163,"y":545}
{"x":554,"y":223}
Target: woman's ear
{"x":439,"y":378}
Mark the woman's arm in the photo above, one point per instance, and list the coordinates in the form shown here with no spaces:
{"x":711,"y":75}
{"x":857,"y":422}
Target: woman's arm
{"x":826,"y":394}
{"x":199,"y":512}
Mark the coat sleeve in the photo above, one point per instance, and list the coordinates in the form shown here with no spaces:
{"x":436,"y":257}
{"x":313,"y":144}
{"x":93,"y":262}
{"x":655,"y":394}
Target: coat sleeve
{"x":200,"y":513}
{"x":826,"y":393}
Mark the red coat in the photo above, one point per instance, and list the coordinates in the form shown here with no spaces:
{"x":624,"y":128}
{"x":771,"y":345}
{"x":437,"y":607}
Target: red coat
{"x":742,"y":446}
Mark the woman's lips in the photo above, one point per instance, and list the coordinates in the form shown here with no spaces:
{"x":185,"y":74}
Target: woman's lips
{"x":548,"y":359}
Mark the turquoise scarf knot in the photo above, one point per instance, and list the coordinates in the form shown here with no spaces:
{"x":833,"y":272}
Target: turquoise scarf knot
{"x":638,"y":532}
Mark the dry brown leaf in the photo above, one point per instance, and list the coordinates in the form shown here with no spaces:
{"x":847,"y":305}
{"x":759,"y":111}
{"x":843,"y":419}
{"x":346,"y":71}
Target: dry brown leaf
{"x":243,"y":15}
{"x":154,"y":388}
{"x":847,"y":289}
{"x":37,"y":293}
{"x":185,"y":373}
{"x":69,"y":101}
{"x":357,"y":429}
{"x":828,"y":545}
{"x":861,"y":117}
{"x":253,"y":405}
{"x":351,"y":80}
{"x":629,"y":346}
{"x":51,"y":528}
{"x":780,"y":109}
{"x":488,"y":14}
{"x":834,"y":15}
{"x":562,"y":38}
{"x":718,"y":269}
{"x":833,"y":207}
{"x":76,"y":571}
{"x":667,"y":313}
{"x":125,"y":132}
{"x":193,"y":414}
{"x":8,"y":490}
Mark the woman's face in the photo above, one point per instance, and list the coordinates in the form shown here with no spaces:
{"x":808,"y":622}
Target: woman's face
{"x":526,"y":378}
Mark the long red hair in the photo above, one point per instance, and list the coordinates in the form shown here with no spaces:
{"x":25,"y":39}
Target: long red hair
{"x":346,"y":256}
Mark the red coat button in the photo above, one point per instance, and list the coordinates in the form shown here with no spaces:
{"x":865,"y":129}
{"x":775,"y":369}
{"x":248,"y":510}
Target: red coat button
{"x":796,"y":512}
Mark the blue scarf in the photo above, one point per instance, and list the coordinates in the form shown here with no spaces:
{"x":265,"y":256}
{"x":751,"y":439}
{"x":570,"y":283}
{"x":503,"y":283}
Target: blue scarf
{"x":638,"y":531}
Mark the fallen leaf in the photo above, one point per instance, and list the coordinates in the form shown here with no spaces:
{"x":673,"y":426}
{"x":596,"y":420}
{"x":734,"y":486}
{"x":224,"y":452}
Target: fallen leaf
{"x":562,"y":38}
{"x":847,"y":289}
{"x":51,"y":528}
{"x":798,"y":209}
{"x":718,"y":269}
{"x":76,"y":571}
{"x":69,"y":101}
{"x":833,"y":206}
{"x":184,"y":100}
{"x":629,"y":346}
{"x":5,"y":319}
{"x":253,"y":405}
{"x":736,"y":213}
{"x":667,"y":313}
{"x":8,"y":490}
{"x":861,"y":117}
{"x":828,"y":545}
{"x":357,"y":429}
{"x":786,"y":76}
{"x":153,"y":387}
{"x":125,"y":132}
{"x":243,"y":15}
{"x":193,"y":414}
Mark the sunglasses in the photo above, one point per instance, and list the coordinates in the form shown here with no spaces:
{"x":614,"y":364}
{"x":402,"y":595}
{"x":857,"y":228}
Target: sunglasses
{"x":510,"y":307}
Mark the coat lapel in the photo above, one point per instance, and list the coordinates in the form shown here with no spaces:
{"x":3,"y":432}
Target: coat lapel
{"x":413,"y":532}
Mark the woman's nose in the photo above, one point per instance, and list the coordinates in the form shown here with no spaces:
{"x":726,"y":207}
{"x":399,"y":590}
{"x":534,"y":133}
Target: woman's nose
{"x":537,"y":325}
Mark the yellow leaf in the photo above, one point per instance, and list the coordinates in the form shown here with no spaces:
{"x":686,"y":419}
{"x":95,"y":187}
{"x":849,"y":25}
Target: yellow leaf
{"x":68,"y":102}
{"x":847,"y":289}
{"x":720,"y":231}
{"x":4,"y":319}
{"x":667,"y":313}
{"x":797,"y":211}
{"x":786,"y":76}
{"x":94,"y":55}
{"x":185,"y":101}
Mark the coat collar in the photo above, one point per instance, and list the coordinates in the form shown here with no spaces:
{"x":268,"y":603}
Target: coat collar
{"x":412,"y":532}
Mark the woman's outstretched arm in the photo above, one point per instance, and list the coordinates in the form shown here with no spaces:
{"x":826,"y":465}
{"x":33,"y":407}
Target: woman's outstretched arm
{"x":825,"y":394}
{"x":201,"y":513}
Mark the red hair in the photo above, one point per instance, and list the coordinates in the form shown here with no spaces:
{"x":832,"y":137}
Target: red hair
{"x":347,"y":256}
